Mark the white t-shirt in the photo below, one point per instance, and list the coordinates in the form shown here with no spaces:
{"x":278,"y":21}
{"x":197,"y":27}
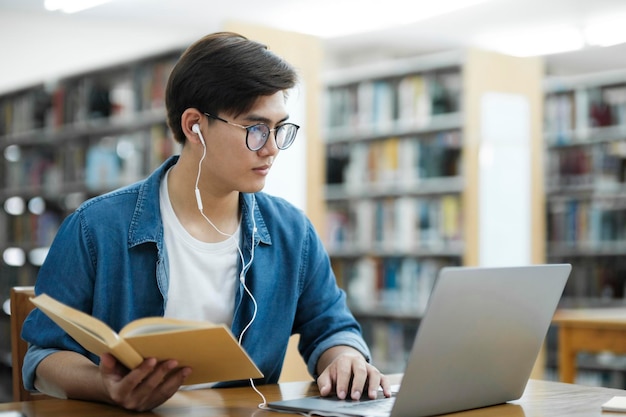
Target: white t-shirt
{"x":203,"y":276}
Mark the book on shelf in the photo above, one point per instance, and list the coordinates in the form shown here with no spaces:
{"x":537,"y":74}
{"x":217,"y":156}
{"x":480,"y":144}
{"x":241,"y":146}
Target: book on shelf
{"x":413,"y":100}
{"x":405,"y":223}
{"x":209,"y":349}
{"x":396,"y":285}
{"x":122,"y":97}
{"x":560,"y":118}
{"x":102,"y":165}
{"x":378,"y":104}
{"x":586,"y":223}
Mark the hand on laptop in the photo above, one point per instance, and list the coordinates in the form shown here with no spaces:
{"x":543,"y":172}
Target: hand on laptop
{"x":345,"y":371}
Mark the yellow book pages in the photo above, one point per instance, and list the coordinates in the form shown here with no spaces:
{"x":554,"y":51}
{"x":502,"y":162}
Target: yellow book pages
{"x":152,"y":325}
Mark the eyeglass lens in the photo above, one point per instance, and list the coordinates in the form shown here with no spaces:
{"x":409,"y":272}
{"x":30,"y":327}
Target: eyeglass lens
{"x":258,"y":135}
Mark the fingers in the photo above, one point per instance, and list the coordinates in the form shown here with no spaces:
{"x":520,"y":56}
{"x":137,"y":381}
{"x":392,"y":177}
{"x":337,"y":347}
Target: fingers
{"x":359,"y":377}
{"x":145,"y":387}
{"x":108,"y":364}
{"x":335,"y":379}
{"x":386,"y":385}
{"x":352,"y":375}
{"x":377,"y":380}
{"x":157,"y":387}
{"x":325,"y":383}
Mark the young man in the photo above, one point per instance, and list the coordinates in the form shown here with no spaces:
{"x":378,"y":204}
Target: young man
{"x":198,"y":240}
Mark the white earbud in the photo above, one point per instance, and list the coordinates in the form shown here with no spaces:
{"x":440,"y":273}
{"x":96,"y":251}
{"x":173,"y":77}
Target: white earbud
{"x":196,"y":129}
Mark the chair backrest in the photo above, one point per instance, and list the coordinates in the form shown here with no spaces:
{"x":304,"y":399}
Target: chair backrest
{"x":20,"y":307}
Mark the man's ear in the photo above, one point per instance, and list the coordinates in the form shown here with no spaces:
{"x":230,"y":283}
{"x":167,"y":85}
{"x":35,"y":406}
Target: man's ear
{"x":188,"y":119}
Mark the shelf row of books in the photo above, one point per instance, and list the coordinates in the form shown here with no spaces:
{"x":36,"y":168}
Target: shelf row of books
{"x":602,"y":166}
{"x":101,"y":164}
{"x":572,"y":113}
{"x":390,"y":287}
{"x":30,"y":230}
{"x":585,"y":138}
{"x":395,"y":160}
{"x":404,"y":224}
{"x":409,"y":100}
{"x":119,"y":92}
{"x":587,"y":223}
{"x":594,"y":281}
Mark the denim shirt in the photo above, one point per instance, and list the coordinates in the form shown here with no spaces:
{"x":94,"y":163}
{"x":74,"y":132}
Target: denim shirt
{"x":109,"y":260}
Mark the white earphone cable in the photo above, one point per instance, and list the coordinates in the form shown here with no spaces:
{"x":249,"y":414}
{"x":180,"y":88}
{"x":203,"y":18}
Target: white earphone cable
{"x":197,"y":190}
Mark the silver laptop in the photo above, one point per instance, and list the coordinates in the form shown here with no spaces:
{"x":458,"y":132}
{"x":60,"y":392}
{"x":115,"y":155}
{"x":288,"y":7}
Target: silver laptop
{"x":475,"y":346}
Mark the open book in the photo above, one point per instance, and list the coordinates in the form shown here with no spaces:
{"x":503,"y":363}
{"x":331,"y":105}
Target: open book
{"x":209,"y":349}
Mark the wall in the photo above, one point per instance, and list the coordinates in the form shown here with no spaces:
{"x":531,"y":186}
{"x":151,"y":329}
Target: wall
{"x":36,"y":48}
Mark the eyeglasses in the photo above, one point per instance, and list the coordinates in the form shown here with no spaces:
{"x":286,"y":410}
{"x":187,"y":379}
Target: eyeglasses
{"x":257,"y":134}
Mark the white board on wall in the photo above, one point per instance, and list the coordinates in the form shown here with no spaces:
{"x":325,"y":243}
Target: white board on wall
{"x":287,"y":178}
{"x":504,"y":180}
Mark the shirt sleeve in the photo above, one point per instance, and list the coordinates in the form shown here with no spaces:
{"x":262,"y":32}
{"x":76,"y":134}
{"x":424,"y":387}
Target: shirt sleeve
{"x":32,"y":359}
{"x":324,"y":319}
{"x":65,"y":275}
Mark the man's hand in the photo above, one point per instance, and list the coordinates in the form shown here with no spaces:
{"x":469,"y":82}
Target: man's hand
{"x":346,"y":373}
{"x":145,"y":387}
{"x":66,"y":374}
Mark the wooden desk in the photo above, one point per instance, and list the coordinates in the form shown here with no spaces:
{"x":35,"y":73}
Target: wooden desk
{"x":541,"y":398}
{"x":588,"y":330}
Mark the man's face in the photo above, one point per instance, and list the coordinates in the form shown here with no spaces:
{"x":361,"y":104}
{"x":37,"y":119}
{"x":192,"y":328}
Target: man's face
{"x":230,"y":165}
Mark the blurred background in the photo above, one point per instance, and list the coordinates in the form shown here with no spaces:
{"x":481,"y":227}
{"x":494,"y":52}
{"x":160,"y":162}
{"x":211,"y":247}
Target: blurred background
{"x":37,"y":43}
{"x":449,"y":132}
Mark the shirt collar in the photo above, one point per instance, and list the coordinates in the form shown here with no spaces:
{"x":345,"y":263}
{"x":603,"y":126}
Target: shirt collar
{"x":147,"y":226}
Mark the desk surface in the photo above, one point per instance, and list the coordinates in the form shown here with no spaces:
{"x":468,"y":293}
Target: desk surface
{"x":591,"y":330}
{"x":607,"y":317}
{"x":541,"y":398}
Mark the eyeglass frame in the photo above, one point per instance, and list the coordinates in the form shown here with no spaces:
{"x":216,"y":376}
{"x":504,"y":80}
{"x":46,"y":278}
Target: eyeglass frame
{"x":247,"y":128}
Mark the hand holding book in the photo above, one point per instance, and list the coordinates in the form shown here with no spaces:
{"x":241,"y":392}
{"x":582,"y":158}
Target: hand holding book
{"x":210,"y":350}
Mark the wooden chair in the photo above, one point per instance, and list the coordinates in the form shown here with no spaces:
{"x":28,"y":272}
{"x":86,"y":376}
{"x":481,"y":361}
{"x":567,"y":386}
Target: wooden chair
{"x":20,"y":307}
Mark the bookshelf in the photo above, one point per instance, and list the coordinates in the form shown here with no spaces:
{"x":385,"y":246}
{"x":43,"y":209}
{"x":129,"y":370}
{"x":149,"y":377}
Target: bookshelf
{"x":406,"y":192}
{"x":586,"y":147}
{"x":69,"y":139}
{"x":585,"y":137}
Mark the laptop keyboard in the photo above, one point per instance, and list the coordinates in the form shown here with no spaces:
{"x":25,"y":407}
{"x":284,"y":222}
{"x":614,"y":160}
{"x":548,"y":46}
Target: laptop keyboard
{"x":381,"y":405}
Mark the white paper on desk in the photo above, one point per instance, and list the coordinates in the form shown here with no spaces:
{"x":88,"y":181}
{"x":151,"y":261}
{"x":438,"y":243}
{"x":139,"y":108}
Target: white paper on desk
{"x":615,"y":404}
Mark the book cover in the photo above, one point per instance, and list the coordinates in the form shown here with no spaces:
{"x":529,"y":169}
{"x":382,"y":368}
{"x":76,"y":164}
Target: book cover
{"x":209,"y":349}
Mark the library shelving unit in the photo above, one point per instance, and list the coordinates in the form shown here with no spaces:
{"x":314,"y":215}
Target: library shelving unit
{"x":585,"y":138}
{"x":66,"y":140}
{"x":406,"y":193}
